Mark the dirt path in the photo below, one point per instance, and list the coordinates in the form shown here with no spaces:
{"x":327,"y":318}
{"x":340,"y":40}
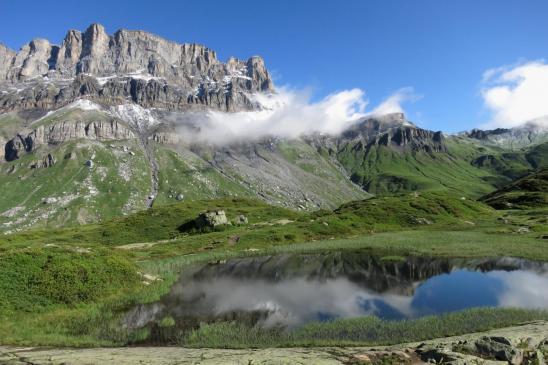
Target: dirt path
{"x":522,"y":344}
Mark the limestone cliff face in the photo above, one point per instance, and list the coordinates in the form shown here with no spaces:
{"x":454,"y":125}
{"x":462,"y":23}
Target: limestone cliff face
{"x":6,"y":59}
{"x":62,"y":132}
{"x":148,"y":69}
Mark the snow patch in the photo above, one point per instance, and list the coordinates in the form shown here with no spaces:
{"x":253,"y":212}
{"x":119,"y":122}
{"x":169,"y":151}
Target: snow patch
{"x":105,"y":79}
{"x":143,"y":75}
{"x":84,"y":104}
{"x":135,"y":115}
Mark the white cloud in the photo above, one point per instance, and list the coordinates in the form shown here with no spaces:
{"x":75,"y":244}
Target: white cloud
{"x":291,"y":302}
{"x":521,"y":289}
{"x":393,"y":104}
{"x":287,"y":114}
{"x":516,"y":95}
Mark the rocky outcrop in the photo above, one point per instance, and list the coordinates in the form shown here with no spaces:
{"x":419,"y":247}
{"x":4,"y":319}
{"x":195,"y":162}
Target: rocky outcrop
{"x":62,"y":132}
{"x":16,"y":147}
{"x":150,"y":70}
{"x":448,"y":350}
{"x":6,"y":58}
{"x":169,"y":138}
{"x":526,"y":344}
{"x":534,"y":132}
{"x":372,"y":126}
{"x":45,"y":162}
{"x":211,"y":219}
{"x":411,"y":138}
{"x":390,"y":130}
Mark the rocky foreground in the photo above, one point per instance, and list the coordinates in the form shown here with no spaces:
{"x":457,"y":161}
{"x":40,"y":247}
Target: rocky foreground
{"x":524,"y":344}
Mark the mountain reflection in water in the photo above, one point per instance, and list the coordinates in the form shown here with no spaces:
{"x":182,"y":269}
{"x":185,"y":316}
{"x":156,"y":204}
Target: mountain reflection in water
{"x":290,"y":290}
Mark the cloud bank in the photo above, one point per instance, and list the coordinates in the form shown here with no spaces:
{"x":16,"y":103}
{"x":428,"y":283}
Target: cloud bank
{"x":287,"y":114}
{"x":516,"y":95}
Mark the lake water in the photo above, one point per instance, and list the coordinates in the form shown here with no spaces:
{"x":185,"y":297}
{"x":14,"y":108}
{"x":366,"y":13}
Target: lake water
{"x":293,"y":289}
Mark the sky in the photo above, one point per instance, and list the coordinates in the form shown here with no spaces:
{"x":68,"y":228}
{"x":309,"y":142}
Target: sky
{"x":452,"y":65}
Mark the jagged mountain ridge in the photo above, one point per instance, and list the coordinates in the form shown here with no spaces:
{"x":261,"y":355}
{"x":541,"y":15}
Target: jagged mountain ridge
{"x":530,"y":133}
{"x":135,"y":65}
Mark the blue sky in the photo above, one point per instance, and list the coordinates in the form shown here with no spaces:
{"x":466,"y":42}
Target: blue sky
{"x":440,"y":48}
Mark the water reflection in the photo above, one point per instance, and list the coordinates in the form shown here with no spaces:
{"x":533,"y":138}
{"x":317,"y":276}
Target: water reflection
{"x":290,"y":290}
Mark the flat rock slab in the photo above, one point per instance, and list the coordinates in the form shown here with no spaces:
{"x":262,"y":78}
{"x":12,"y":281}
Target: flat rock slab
{"x":531,"y":338}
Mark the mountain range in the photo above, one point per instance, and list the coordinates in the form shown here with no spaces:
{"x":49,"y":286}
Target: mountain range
{"x":92,"y":129}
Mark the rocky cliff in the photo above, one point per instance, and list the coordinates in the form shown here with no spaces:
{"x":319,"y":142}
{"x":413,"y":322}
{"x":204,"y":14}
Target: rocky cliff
{"x":135,"y":65}
{"x":414,"y":139}
{"x":390,"y":130}
{"x":534,"y":132}
{"x":63,"y":132}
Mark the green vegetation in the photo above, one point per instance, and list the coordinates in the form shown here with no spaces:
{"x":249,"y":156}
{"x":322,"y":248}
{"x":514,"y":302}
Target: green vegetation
{"x":72,"y":286}
{"x":160,"y":233}
{"x":159,"y":223}
{"x":468,"y":168}
{"x":70,"y":192}
{"x":31,"y":279}
{"x":191,"y":177}
{"x":528,"y":192}
{"x":364,"y":331}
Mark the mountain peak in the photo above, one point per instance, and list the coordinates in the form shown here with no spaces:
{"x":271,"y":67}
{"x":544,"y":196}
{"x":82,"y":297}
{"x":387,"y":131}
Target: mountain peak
{"x":96,"y":28}
{"x":113,"y":68}
{"x":530,"y":133}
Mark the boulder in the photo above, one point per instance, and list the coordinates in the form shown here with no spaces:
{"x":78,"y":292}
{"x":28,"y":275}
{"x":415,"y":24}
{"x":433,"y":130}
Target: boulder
{"x":498,"y":348}
{"x":241,"y":219}
{"x":211,"y":219}
{"x":420,"y":220}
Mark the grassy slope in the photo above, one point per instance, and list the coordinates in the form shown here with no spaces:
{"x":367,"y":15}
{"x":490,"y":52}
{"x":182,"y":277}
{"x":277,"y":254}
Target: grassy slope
{"x":528,"y":192}
{"x":192,"y":177}
{"x":525,"y":201}
{"x":468,"y":168}
{"x":536,"y":155}
{"x":159,"y":223}
{"x":412,"y":211}
{"x":116,"y":185}
{"x":82,"y":194}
